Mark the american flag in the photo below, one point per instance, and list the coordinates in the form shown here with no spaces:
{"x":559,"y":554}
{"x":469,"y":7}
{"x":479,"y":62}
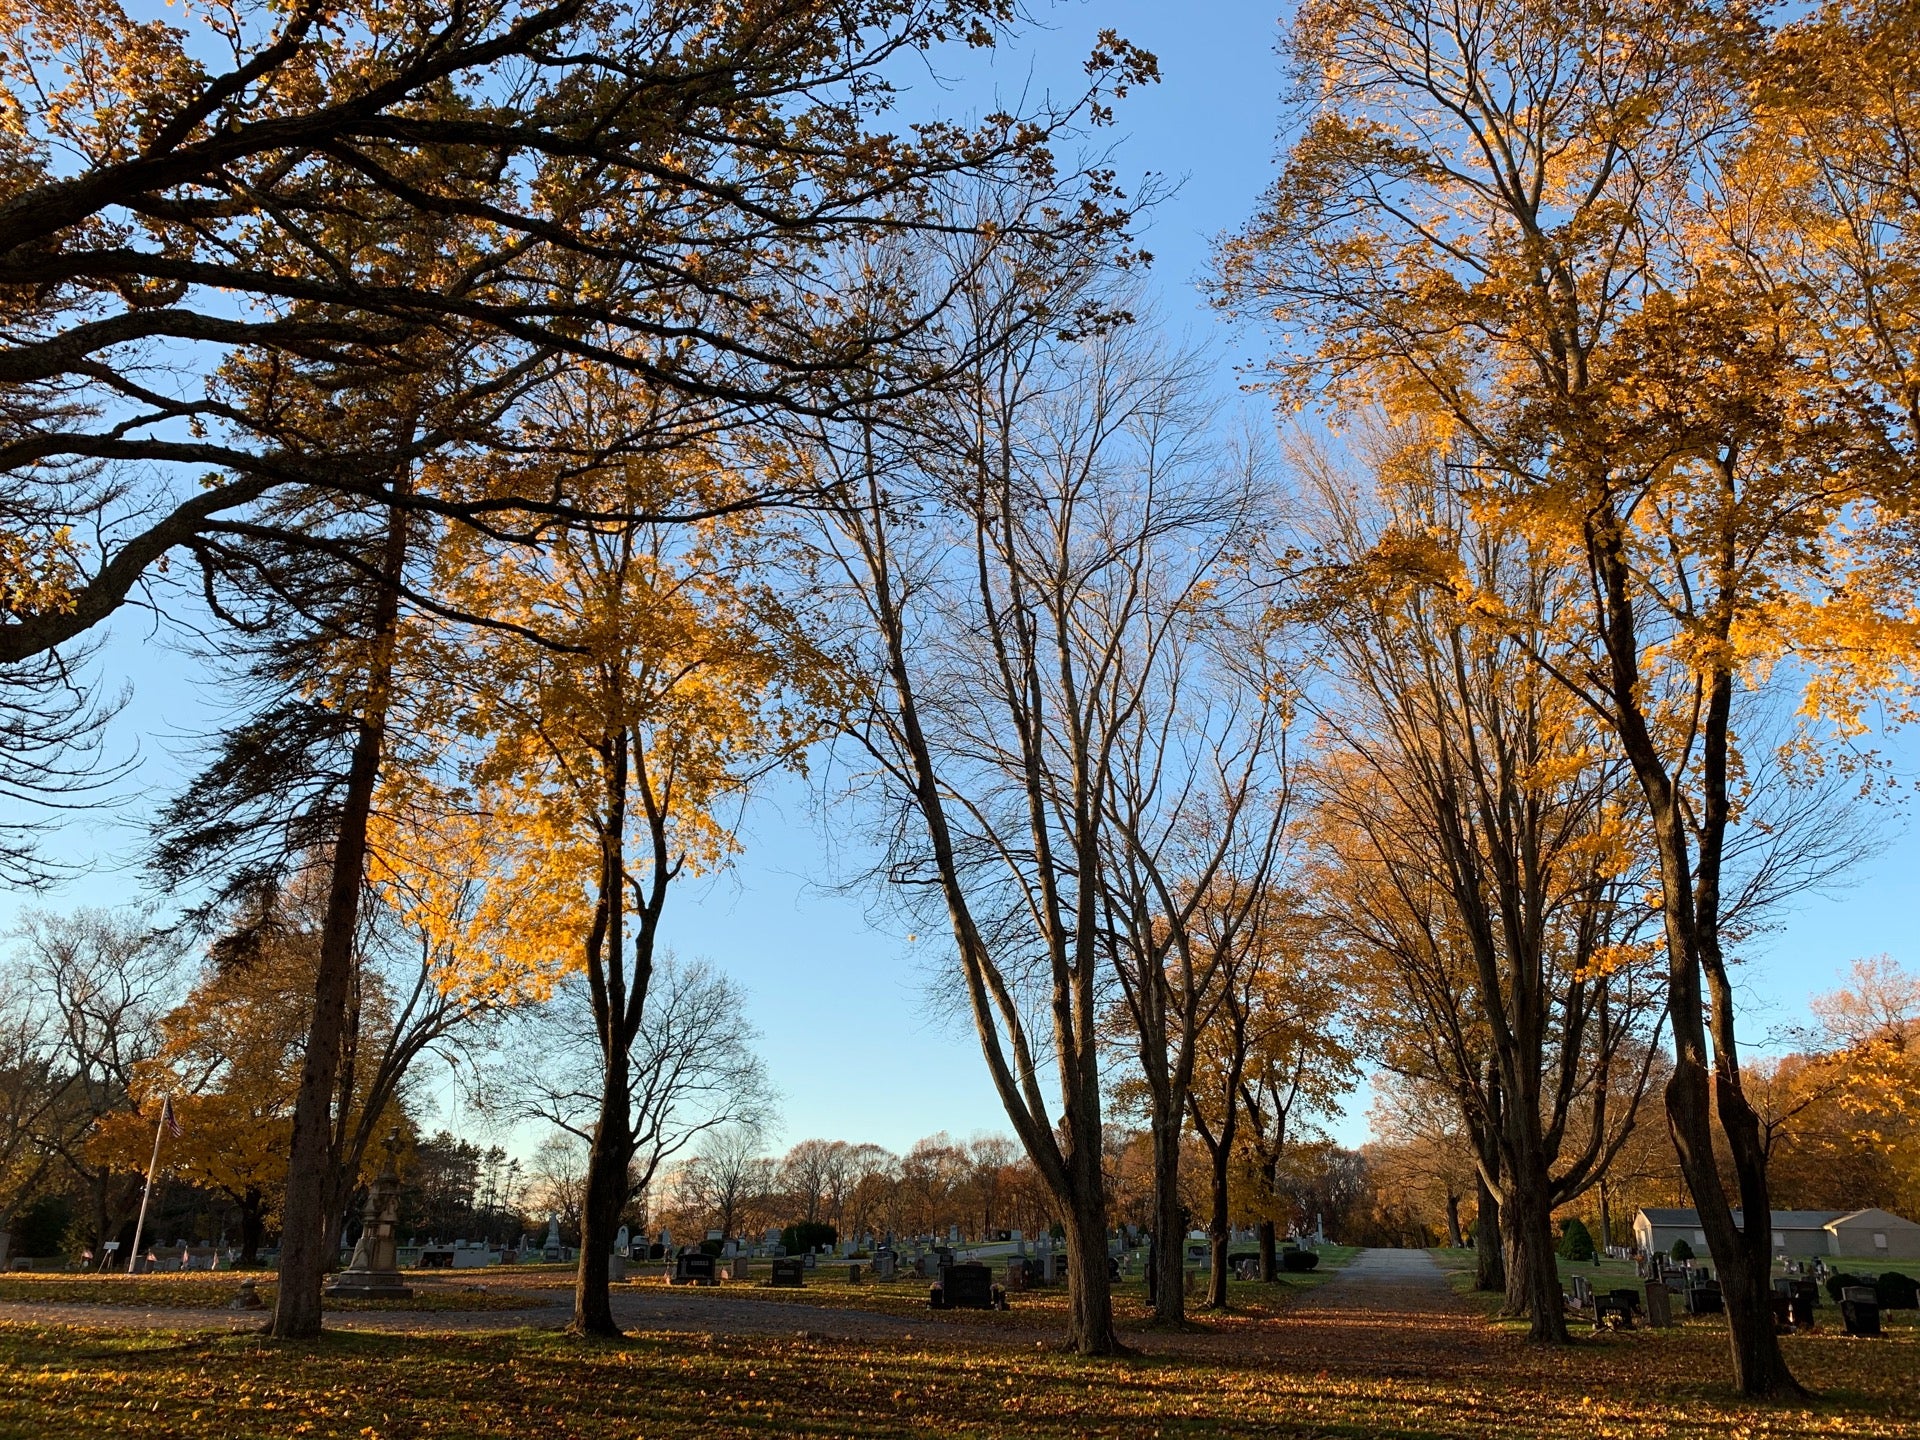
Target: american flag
{"x":167,"y":1118}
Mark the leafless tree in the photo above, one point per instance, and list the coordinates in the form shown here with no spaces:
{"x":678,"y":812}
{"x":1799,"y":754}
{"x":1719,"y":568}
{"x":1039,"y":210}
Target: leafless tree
{"x":106,"y":978}
{"x":1007,"y":572}
{"x":694,"y":1071}
{"x":727,"y":1181}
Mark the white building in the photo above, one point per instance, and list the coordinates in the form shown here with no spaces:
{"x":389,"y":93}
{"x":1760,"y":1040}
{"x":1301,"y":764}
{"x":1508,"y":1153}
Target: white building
{"x":1835,"y":1234}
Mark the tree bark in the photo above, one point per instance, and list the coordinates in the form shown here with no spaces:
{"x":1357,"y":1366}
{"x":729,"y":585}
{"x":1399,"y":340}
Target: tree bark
{"x":252,"y":1226}
{"x":1269,"y":1256}
{"x":1699,"y":994}
{"x":606,"y":1197}
{"x":1533,"y":1283}
{"x":1220,"y":1231}
{"x":1489,"y":1259}
{"x":1089,"y":1293}
{"x":311,"y":1157}
{"x":1170,"y":1293}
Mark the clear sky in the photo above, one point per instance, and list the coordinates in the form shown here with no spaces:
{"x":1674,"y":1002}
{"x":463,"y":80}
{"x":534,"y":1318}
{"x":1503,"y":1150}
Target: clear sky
{"x":841,"y":1000}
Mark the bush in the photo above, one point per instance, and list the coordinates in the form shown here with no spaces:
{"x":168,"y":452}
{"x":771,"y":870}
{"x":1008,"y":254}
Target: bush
{"x":1298,"y":1260}
{"x":1840,"y":1280}
{"x":1576,"y":1241}
{"x":807,"y":1235}
{"x":1681,"y":1250}
{"x":1897,"y":1292}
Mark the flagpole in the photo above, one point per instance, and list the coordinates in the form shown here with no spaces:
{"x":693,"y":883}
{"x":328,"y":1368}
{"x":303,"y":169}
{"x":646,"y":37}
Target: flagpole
{"x":140,"y":1225}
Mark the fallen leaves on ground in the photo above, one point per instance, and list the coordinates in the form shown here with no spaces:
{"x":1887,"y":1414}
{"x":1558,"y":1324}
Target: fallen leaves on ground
{"x":65,"y":1381}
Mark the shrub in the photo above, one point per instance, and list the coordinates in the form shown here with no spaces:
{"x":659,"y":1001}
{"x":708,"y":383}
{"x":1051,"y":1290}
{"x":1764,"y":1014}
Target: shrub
{"x":1681,"y":1250}
{"x":1576,"y":1241}
{"x":1840,"y":1280}
{"x":1298,"y":1260}
{"x":1897,"y":1292}
{"x":807,"y":1235}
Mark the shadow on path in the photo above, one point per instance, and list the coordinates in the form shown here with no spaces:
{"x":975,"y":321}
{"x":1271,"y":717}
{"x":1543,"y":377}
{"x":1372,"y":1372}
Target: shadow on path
{"x":1388,"y":1312}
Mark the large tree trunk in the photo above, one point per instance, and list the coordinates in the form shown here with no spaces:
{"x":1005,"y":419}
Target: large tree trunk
{"x":1454,"y":1237}
{"x":1741,"y":1253}
{"x":1489,"y":1256}
{"x":1089,"y":1293}
{"x":1170,"y":1289}
{"x":1533,"y":1281}
{"x":311,"y":1158}
{"x":606,"y":1197}
{"x":252,"y":1226}
{"x":1220,"y":1230}
{"x":1269,"y":1256}
{"x":1690,"y":910}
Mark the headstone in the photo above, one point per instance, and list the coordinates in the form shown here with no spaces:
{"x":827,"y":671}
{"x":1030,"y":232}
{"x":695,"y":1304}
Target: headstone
{"x":789,"y":1273}
{"x":884,"y":1264}
{"x":1860,"y":1310}
{"x":966,"y":1287}
{"x":809,"y":1260}
{"x":622,"y":1242}
{"x":550,"y":1251}
{"x":1017,"y":1277}
{"x":374,"y":1271}
{"x":953,"y":1234}
{"x":1659,"y":1305}
{"x":695,"y":1268}
{"x":1703,"y":1294}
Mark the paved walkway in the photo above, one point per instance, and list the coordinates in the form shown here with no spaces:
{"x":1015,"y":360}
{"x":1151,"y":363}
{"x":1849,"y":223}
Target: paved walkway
{"x":1388,"y":1312}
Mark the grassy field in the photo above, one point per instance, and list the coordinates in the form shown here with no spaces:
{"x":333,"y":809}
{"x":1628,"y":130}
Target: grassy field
{"x":1621,"y":1274}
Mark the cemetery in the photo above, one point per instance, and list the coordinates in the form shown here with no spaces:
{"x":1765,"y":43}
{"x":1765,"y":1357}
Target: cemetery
{"x":738,"y":719}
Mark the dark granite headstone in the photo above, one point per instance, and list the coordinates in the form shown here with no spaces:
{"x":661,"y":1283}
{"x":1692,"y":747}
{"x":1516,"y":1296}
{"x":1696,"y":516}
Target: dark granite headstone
{"x":696,"y":1268}
{"x":965,"y":1287}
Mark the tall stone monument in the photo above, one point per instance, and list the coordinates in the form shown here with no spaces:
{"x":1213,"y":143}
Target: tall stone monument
{"x":374,"y":1271}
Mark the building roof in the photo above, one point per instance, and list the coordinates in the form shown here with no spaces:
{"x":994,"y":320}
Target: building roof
{"x":1876,"y":1219}
{"x":1782,"y":1219}
{"x":1657,"y":1215}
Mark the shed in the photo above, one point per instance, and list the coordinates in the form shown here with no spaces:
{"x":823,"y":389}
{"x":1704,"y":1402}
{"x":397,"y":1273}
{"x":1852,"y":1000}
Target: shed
{"x":1795,"y":1232}
{"x":1873,"y":1235}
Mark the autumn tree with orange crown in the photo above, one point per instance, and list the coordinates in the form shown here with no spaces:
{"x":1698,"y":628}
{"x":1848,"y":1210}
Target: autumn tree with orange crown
{"x":638,"y":679}
{"x":1527,"y":225}
{"x":1477,"y":837}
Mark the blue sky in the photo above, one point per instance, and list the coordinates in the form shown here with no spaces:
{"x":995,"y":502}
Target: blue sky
{"x":849,"y":1029}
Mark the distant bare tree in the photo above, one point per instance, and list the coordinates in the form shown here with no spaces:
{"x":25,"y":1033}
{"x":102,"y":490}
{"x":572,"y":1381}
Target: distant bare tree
{"x":694,"y":1070}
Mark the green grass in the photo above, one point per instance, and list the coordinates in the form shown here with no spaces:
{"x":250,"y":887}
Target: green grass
{"x":1621,"y":1274}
